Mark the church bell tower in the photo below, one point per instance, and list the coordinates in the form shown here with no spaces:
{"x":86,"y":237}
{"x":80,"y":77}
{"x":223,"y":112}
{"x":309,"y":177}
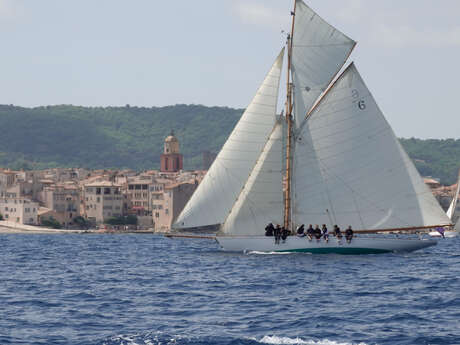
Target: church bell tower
{"x":171,"y":159}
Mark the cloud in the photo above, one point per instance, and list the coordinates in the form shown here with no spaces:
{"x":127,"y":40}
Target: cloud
{"x":257,"y":13}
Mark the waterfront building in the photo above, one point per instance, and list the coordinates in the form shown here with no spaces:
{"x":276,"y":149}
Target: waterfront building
{"x":63,"y":200}
{"x":102,"y":200}
{"x":19,"y":210}
{"x":170,"y":202}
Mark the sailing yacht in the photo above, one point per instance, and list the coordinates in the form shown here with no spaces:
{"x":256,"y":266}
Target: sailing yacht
{"x":452,"y":213}
{"x":331,"y":159}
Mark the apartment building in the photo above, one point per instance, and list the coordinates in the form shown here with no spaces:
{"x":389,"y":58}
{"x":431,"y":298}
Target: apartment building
{"x":19,"y":210}
{"x":102,"y":200}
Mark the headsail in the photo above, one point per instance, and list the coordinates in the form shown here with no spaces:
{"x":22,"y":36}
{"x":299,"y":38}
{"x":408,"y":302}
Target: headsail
{"x":261,"y":200}
{"x":351,"y":170}
{"x":216,"y":194}
{"x":318,"y":53}
{"x":453,"y":204}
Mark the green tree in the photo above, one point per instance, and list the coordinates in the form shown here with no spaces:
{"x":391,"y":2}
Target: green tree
{"x":82,"y":222}
{"x":51,"y":222}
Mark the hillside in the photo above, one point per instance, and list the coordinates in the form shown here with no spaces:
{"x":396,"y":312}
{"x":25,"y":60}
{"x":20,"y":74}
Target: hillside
{"x":132,"y":137}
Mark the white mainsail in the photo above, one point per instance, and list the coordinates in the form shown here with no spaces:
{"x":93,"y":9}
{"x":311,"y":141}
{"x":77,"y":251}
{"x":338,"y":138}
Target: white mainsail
{"x":349,"y":168}
{"x":261,"y":200}
{"x":453,"y":204}
{"x":216,"y":194}
{"x":318,"y":53}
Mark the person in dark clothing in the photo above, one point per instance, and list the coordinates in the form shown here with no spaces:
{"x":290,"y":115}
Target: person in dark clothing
{"x":337,"y":232}
{"x":284,"y":234}
{"x":325,"y":234}
{"x":301,"y":231}
{"x":277,"y":234}
{"x":349,"y":234}
{"x":318,"y":233}
{"x":310,"y":232}
{"x":269,"y":229}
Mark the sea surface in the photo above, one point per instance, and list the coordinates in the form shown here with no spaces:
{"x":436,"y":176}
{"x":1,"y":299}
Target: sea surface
{"x":145,"y":289}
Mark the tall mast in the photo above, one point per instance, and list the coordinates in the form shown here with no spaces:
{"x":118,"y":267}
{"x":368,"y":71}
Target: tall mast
{"x":287,"y":198}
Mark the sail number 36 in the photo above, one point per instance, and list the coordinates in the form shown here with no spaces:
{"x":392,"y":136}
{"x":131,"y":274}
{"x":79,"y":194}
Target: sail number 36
{"x":361,"y":103}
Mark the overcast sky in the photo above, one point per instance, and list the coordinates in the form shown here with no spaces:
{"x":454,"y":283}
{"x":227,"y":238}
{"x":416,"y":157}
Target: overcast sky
{"x":156,"y":53}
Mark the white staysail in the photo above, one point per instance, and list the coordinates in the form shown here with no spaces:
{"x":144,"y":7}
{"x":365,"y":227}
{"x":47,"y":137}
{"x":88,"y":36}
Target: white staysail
{"x":261,"y":200}
{"x":349,"y":168}
{"x":318,"y":53}
{"x":216,"y":194}
{"x":453,"y":204}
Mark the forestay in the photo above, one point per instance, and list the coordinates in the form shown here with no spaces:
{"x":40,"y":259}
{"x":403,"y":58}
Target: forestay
{"x":261,"y":200}
{"x":318,"y":53}
{"x":351,"y":170}
{"x":216,"y":194}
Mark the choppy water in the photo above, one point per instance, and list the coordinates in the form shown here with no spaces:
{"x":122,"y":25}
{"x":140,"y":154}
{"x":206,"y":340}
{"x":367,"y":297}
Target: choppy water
{"x":144,"y":289}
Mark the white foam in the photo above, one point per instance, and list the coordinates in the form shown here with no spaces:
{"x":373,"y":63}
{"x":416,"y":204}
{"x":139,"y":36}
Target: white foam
{"x":298,"y":341}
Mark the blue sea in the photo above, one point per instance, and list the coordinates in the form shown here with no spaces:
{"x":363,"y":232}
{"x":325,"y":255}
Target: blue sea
{"x":113,"y":289}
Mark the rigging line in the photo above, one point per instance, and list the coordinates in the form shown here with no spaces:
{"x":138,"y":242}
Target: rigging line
{"x":328,"y":197}
{"x":357,"y":209}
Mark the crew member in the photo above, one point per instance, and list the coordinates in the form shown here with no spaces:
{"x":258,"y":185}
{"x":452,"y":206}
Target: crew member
{"x":269,"y":229}
{"x":349,"y":234}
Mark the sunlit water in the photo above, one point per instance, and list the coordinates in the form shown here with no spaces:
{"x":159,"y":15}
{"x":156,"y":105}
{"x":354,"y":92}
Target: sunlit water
{"x":144,"y":289}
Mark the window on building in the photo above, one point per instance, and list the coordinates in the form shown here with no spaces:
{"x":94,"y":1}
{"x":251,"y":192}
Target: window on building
{"x":160,"y":207}
{"x":166,"y":211}
{"x":145,"y":195}
{"x":107,"y":191}
{"x":157,"y":215}
{"x":98,"y":190}
{"x":145,"y":187}
{"x":138,"y":186}
{"x":98,"y":199}
{"x":131,"y":187}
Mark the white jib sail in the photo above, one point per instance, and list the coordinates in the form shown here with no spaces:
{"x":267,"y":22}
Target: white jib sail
{"x":318,"y":53}
{"x":453,"y":204}
{"x":261,"y":200}
{"x":351,"y":170}
{"x":216,"y":194}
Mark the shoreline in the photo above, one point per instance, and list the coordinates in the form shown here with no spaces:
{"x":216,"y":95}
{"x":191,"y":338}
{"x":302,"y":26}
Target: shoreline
{"x":16,"y":228}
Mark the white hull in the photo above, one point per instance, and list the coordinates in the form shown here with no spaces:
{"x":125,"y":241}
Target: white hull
{"x":447,"y":234}
{"x":359,"y":245}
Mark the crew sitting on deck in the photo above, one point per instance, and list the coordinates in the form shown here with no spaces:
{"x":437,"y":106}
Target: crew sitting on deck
{"x":269,"y":229}
{"x":325,"y":234}
{"x":310,"y":232}
{"x":277,"y":233}
{"x":349,"y":234}
{"x":337,"y":232}
{"x":284,"y":233}
{"x":301,"y":231}
{"x":318,"y":233}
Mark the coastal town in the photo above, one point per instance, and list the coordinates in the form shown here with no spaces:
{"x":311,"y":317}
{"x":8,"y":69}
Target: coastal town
{"x":114,"y":200}
{"x":76,"y":198}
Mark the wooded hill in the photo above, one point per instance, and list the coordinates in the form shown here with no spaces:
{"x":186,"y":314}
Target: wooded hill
{"x":132,"y":137}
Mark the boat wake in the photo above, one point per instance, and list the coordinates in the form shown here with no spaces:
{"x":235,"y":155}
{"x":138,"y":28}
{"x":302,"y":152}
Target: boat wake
{"x":298,"y":341}
{"x":161,"y":338}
